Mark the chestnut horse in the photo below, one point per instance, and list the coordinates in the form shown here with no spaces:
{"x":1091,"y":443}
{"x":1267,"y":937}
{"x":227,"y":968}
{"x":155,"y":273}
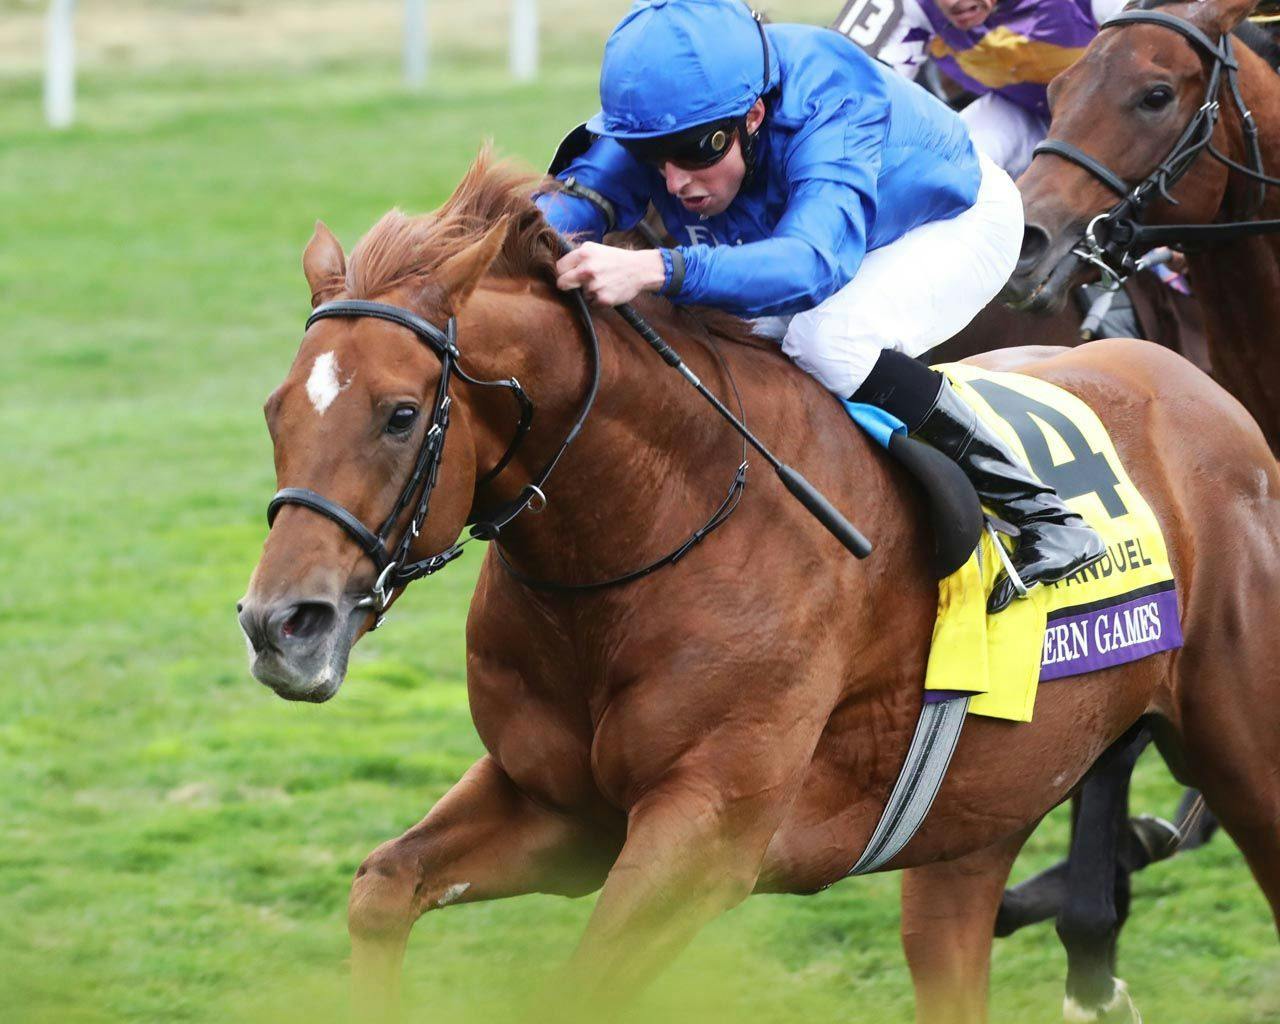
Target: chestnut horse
{"x":1124,"y":104}
{"x":733,"y":723}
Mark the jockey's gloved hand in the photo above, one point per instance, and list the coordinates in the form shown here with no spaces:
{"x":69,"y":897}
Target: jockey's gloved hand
{"x":608,"y":275}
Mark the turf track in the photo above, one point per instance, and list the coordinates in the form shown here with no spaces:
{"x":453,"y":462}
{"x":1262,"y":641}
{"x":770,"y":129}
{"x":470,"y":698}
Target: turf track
{"x":177,"y":843}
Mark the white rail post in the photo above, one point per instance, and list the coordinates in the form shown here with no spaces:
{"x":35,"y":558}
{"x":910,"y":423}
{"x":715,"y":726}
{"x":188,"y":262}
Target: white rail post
{"x":415,"y":43}
{"x":60,"y":64}
{"x":524,"y":39}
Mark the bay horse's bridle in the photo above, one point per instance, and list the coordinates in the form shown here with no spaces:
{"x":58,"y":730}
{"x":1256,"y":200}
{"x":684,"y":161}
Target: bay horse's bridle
{"x":394,"y":567}
{"x":1113,"y":238}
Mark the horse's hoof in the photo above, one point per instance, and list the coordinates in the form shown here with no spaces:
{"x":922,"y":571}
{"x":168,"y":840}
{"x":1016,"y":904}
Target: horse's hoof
{"x":1120,"y":1010}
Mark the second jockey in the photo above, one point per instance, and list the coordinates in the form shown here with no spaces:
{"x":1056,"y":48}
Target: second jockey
{"x":816,"y":191}
{"x":1005,"y":53}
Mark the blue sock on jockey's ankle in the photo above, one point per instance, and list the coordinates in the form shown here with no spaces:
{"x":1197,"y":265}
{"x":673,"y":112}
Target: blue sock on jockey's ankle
{"x":875,"y":421}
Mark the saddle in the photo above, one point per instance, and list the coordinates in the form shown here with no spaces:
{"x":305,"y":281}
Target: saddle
{"x":955,"y":513}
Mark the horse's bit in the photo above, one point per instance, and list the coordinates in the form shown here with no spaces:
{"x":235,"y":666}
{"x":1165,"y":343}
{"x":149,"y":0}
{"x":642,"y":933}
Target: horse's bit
{"x":1112,"y":238}
{"x":395,"y":570}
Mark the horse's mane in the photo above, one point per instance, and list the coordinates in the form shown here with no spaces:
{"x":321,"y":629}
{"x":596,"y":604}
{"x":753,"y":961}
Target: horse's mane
{"x":400,"y":248}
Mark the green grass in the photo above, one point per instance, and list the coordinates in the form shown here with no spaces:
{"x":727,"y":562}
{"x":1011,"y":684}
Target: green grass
{"x":177,"y":843}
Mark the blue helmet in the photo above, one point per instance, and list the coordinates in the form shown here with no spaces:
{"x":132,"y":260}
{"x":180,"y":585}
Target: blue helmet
{"x":671,"y":65}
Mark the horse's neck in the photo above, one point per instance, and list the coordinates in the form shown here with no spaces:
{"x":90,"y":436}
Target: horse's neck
{"x":650,"y":465}
{"x":654,"y":460}
{"x":1238,"y":284}
{"x":1239,"y":289}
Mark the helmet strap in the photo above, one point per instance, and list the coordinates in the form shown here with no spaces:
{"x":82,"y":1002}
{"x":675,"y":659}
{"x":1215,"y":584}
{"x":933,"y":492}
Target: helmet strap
{"x":748,"y":142}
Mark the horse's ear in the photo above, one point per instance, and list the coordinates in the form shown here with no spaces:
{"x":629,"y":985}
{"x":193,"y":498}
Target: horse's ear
{"x":460,"y":273}
{"x":1221,"y":16}
{"x":324,"y":264}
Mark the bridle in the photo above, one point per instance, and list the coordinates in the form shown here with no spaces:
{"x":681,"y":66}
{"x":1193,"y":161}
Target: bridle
{"x":1113,"y":238}
{"x":394,"y":567}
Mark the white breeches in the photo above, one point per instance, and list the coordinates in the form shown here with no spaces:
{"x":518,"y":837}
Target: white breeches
{"x":1004,"y":131}
{"x":911,"y":294}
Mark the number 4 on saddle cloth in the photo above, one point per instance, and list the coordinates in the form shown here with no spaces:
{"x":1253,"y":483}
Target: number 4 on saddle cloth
{"x":1119,"y":609}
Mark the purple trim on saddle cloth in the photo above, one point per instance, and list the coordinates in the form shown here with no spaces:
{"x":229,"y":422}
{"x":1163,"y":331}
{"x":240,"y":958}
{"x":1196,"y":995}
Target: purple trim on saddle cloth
{"x":1090,"y":637}
{"x":939,"y":696}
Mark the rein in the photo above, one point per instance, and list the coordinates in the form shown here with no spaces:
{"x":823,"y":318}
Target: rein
{"x":395,"y":570}
{"x":1124,"y":234}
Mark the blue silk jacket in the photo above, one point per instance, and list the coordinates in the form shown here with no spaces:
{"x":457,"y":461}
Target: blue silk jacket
{"x":850,"y":158}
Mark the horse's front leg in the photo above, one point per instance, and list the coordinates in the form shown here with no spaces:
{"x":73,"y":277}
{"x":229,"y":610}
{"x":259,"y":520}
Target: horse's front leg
{"x":683,"y":865}
{"x":696,"y":841}
{"x":948,"y":912}
{"x":484,"y":840}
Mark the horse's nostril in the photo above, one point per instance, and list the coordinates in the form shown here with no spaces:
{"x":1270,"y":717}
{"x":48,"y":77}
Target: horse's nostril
{"x":1035,"y":243}
{"x":306,"y":620}
{"x":239,"y":607}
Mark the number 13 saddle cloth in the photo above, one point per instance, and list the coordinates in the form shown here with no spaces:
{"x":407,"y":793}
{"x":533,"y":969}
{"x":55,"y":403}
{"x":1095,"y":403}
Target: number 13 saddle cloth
{"x":1122,"y":608}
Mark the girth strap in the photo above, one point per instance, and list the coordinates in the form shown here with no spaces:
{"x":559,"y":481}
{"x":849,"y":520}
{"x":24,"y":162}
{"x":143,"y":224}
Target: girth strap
{"x":935,"y":739}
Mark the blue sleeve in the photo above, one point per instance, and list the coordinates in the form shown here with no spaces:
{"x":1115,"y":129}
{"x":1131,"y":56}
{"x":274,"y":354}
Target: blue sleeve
{"x":606,"y":168}
{"x":817,"y":247}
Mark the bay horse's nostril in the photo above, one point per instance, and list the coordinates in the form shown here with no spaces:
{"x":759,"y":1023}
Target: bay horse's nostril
{"x":1035,"y":243}
{"x":301,"y":622}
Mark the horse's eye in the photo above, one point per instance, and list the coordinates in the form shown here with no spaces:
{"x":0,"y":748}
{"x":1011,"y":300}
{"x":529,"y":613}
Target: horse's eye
{"x":402,"y":419}
{"x":1158,"y":98}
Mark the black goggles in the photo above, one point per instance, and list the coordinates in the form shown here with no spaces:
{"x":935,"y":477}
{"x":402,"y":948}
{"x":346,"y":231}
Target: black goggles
{"x":692,"y":149}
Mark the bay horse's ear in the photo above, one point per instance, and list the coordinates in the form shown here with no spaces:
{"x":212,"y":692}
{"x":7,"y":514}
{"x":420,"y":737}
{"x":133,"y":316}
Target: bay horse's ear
{"x":461,"y":272}
{"x":324,"y":264}
{"x":1221,"y":16}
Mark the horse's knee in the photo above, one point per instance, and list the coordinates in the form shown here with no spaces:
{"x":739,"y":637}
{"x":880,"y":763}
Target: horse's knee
{"x":382,"y":901}
{"x":1091,"y":915}
{"x":1087,"y":925}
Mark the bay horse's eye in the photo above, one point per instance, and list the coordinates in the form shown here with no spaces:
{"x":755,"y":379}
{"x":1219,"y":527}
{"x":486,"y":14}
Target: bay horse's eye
{"x":1157,"y":98}
{"x":402,"y":420}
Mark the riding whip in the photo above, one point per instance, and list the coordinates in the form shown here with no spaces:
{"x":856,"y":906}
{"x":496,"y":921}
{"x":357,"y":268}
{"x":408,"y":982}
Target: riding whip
{"x":803,"y":491}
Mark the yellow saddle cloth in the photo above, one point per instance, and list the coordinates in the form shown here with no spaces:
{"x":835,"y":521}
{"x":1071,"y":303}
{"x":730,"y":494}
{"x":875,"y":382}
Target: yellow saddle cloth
{"x":1122,"y":608}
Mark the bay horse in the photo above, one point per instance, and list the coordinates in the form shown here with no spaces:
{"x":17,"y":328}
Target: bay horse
{"x":1101,"y":107}
{"x":1089,"y":893}
{"x":734,"y":722}
{"x":1125,"y":104}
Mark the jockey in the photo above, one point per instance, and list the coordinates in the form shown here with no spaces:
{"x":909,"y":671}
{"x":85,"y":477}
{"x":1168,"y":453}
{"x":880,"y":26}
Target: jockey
{"x":810,"y":185}
{"x":1006,"y":53}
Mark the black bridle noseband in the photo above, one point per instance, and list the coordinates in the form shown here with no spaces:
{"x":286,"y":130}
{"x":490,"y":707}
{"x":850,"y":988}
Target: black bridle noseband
{"x":1113,"y":238}
{"x":395,"y":570}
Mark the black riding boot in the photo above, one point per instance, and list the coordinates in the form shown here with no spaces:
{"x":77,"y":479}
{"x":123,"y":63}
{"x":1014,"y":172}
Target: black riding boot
{"x":1053,"y":542}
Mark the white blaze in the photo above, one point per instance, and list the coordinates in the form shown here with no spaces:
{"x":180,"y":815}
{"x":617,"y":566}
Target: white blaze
{"x":322,"y":385}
